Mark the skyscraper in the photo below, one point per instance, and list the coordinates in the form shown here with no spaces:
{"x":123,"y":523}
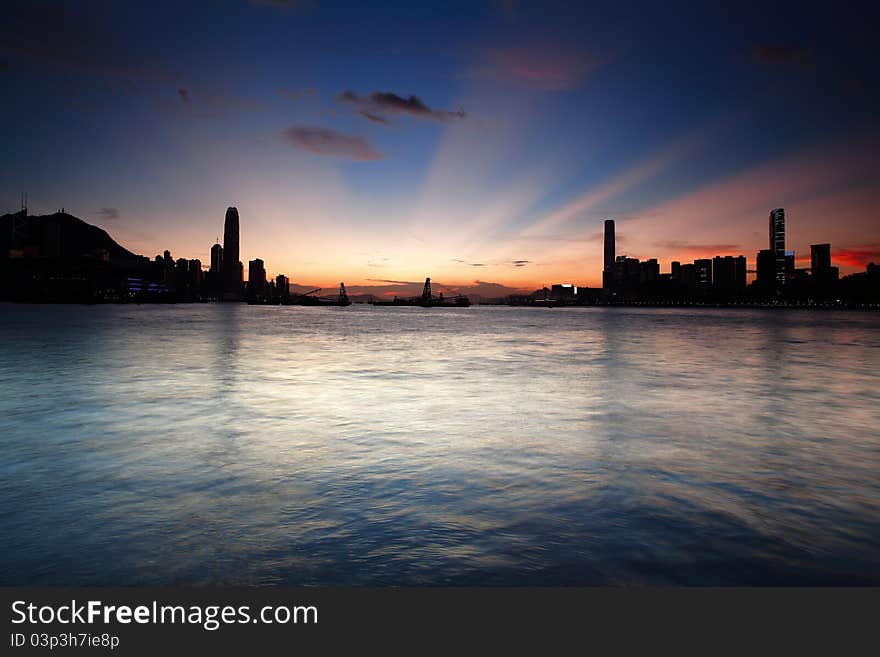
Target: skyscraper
{"x":728,"y":275}
{"x":820,"y":258}
{"x":231,"y":266}
{"x":766,"y":270}
{"x":823,"y":276}
{"x":608,"y":269}
{"x":282,"y":286}
{"x":216,"y":258}
{"x":256,"y":277}
{"x":777,"y":246}
{"x":703,"y":274}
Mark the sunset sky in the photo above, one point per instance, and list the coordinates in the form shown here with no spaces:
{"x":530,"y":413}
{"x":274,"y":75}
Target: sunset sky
{"x":480,"y":143}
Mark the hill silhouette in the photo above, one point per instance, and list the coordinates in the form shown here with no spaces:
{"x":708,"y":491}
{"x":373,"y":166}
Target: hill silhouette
{"x":60,"y":235}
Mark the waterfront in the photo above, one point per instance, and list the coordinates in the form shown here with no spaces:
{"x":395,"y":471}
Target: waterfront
{"x":235,"y":444}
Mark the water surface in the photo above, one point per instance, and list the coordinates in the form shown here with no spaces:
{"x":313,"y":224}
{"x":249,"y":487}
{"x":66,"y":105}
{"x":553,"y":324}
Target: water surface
{"x":234,"y":444}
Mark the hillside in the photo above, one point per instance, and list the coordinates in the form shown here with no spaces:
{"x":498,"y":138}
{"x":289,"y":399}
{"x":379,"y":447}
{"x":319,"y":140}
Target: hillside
{"x":60,"y":235}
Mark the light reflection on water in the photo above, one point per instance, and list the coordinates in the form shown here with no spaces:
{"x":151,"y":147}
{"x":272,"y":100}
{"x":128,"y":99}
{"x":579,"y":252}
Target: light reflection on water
{"x":232,"y":444}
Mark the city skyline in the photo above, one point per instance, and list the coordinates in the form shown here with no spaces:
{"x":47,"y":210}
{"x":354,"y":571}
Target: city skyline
{"x":486,"y":151}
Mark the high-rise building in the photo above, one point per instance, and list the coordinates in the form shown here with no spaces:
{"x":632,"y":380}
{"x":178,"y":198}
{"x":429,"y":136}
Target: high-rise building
{"x":740,"y":273}
{"x":231,"y":267}
{"x":729,"y":275}
{"x":608,"y":266}
{"x":823,"y":276}
{"x":820,"y":257}
{"x":256,"y":277}
{"x":649,"y":271}
{"x":216,"y":258}
{"x":282,"y":286}
{"x":676,"y":270}
{"x":777,"y":246}
{"x":195,"y":276}
{"x":703,"y":274}
{"x":766,"y":271}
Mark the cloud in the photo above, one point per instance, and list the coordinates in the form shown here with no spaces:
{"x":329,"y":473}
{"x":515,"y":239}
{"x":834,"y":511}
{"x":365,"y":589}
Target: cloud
{"x":857,"y":256}
{"x":379,"y":102}
{"x":392,"y":282}
{"x":296,"y":95}
{"x":680,"y":245}
{"x":184,"y":95}
{"x":507,"y":7}
{"x":375,"y":118}
{"x":108,"y":214}
{"x":542,"y":66}
{"x":53,"y":36}
{"x":766,"y":54}
{"x":469,"y":264}
{"x":282,"y":4}
{"x":331,"y":143}
{"x":520,"y":263}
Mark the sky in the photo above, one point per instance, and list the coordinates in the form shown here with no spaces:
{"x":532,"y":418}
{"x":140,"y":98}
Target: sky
{"x":480,"y":143}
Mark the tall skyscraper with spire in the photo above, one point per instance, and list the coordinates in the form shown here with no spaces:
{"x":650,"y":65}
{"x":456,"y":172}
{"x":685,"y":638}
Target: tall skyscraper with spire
{"x":231,"y":269}
{"x":777,"y":246}
{"x":608,"y":269}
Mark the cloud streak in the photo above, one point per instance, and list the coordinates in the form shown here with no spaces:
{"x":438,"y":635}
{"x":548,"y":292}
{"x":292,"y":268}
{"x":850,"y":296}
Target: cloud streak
{"x":294,"y":94}
{"x":857,"y":256}
{"x":767,"y":54}
{"x":331,"y":143}
{"x":375,"y":118}
{"x":688,"y":247}
{"x":373,"y":107}
{"x":108,"y":214}
{"x":541,"y":66}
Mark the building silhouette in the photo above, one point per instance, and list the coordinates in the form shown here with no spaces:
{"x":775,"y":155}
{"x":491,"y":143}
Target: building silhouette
{"x":703,"y":275}
{"x":777,"y":246}
{"x":216,"y":258}
{"x":823,"y":276}
{"x":608,"y":268}
{"x":820,"y":257}
{"x":256,"y":278}
{"x":282,"y":286}
{"x":728,"y":276}
{"x":231,"y":268}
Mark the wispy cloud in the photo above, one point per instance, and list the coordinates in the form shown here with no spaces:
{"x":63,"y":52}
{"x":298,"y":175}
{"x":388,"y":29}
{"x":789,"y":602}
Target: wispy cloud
{"x":540,"y":65}
{"x":393,"y":282}
{"x":688,"y":247}
{"x":108,"y":214}
{"x":53,"y":36}
{"x":332,"y":143}
{"x":375,"y":118}
{"x":293,"y":94}
{"x":384,"y":102}
{"x":282,"y":4}
{"x":857,"y":256}
{"x":769,"y":54}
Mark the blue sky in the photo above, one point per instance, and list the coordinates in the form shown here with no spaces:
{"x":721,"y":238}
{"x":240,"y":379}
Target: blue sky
{"x":481,"y":143}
